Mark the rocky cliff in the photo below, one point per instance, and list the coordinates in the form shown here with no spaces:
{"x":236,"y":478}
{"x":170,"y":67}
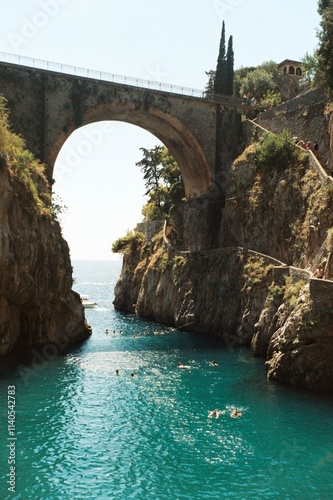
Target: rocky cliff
{"x":239,"y":296}
{"x":259,"y":287}
{"x":37,"y":305}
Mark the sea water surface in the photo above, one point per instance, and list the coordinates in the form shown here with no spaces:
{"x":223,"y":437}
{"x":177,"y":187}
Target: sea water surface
{"x":83,"y":432}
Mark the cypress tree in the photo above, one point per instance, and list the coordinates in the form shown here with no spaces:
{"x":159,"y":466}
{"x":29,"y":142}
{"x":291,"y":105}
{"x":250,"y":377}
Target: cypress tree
{"x":230,"y":68}
{"x":220,"y":74}
{"x":322,"y":5}
{"x":325,"y":50}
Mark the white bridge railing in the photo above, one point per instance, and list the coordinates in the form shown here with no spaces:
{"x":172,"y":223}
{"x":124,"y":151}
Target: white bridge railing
{"x":97,"y":75}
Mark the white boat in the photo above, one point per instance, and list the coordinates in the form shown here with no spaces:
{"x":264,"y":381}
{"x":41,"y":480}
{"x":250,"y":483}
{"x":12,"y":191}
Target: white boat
{"x":87,"y":303}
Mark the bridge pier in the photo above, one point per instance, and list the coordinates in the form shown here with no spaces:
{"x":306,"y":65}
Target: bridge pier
{"x":196,"y":227}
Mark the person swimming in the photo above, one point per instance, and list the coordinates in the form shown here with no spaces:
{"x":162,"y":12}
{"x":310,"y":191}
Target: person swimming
{"x":215,"y":413}
{"x":106,"y":331}
{"x":184,"y":367}
{"x":235,"y":413}
{"x":214,"y":363}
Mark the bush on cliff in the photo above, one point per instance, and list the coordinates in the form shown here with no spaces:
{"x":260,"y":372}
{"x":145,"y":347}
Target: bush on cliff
{"x":129,"y":243}
{"x":276,"y":152}
{"x":22,"y":164}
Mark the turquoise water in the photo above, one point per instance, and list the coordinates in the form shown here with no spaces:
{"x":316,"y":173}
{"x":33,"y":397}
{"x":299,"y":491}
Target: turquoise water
{"x":83,"y":432}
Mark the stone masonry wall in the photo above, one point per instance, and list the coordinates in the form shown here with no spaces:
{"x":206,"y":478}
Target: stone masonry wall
{"x":304,"y":117}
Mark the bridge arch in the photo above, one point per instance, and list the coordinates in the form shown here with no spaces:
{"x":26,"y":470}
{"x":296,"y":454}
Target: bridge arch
{"x":180,"y":141}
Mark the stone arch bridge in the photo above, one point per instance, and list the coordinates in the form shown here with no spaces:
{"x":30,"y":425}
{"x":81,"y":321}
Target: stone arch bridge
{"x":47,"y":104}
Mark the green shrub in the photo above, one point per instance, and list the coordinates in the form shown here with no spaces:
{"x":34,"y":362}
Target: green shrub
{"x":275,"y":291}
{"x":256,"y":269}
{"x":276,"y":151}
{"x":292,"y":291}
{"x":128,"y":243}
{"x":22,"y":164}
{"x":163,"y":262}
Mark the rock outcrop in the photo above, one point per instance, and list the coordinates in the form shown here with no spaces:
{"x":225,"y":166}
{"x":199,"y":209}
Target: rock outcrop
{"x":37,"y":305}
{"x":298,"y":342}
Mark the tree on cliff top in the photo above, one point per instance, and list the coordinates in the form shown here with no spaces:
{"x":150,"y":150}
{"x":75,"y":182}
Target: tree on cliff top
{"x":325,"y":50}
{"x":323,"y":5}
{"x":230,"y":68}
{"x":221,"y":67}
{"x":221,"y":80}
{"x":319,"y":65}
{"x":163,"y":182}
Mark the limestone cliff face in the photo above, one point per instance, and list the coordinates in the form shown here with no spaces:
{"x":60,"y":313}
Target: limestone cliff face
{"x":37,"y":305}
{"x":298,"y":343}
{"x":185,"y":290}
{"x":284,"y":214}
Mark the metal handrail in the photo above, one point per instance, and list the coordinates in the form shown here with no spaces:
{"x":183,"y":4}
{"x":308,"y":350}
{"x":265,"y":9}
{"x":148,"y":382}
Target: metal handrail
{"x":98,"y":75}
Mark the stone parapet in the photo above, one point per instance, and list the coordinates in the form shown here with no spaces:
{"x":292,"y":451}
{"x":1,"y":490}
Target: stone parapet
{"x":279,"y":274}
{"x":150,"y":228}
{"x":298,"y":274}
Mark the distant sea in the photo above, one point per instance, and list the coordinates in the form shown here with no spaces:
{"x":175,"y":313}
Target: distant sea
{"x":82,"y":432}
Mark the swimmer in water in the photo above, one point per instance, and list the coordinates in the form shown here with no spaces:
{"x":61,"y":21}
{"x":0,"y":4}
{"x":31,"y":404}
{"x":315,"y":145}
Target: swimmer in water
{"x":214,"y":363}
{"x":235,"y":413}
{"x":117,"y":372}
{"x":215,"y":413}
{"x":107,"y":331}
{"x":185,"y":367}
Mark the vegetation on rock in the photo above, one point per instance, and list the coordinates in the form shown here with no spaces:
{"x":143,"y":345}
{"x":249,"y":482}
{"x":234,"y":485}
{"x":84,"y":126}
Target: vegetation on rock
{"x":21,"y":163}
{"x":163,"y":182}
{"x":325,"y":50}
{"x":319,"y":65}
{"x":221,"y":81}
{"x":276,"y":151}
{"x":129,"y":243}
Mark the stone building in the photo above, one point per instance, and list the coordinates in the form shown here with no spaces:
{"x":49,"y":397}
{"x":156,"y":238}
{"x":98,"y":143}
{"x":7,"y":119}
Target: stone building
{"x":290,"y":74}
{"x":291,"y":68}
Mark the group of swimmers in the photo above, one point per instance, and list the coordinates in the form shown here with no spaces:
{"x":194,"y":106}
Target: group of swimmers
{"x":188,"y":367}
{"x":216,"y":413}
{"x":137,"y":334}
{"x":118,"y":373}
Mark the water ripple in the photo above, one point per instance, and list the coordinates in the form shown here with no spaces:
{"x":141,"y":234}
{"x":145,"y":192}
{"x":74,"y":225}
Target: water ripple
{"x":85,"y":432}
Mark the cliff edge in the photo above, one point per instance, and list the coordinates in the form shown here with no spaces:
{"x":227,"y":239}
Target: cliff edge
{"x":37,"y":304}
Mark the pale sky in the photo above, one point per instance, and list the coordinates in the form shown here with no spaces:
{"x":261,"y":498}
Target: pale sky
{"x":171,"y":41}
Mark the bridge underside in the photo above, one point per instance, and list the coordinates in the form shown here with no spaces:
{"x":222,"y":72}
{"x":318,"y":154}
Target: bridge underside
{"x":194,"y":167}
